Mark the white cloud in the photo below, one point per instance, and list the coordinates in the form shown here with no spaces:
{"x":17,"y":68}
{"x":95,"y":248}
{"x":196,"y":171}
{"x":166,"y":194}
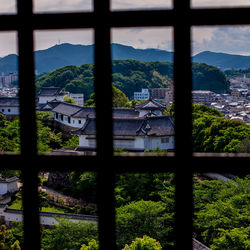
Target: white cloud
{"x":62,"y":5}
{"x":227,"y":39}
{"x":221,"y":39}
{"x":46,"y":39}
{"x":140,"y":4}
{"x":219,"y":3}
{"x":8,"y":43}
{"x":152,"y":37}
{"x":7,"y":6}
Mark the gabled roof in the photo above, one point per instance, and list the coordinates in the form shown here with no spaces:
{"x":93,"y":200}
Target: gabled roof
{"x":157,"y":126}
{"x":150,"y":104}
{"x":50,"y":91}
{"x":151,"y":126}
{"x":9,"y":101}
{"x":48,"y":106}
{"x":66,"y":108}
{"x":85,"y":112}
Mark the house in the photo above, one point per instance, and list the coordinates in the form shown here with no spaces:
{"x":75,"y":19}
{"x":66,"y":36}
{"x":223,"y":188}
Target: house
{"x":9,"y":106}
{"x":131,"y":134}
{"x":150,"y":106}
{"x":47,"y":94}
{"x":7,"y":188}
{"x":138,"y":129}
{"x":63,"y":113}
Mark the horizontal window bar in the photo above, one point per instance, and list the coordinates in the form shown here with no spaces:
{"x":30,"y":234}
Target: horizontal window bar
{"x":232,"y":16}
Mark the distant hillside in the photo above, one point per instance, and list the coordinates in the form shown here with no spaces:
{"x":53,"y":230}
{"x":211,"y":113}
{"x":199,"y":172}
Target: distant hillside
{"x":69,"y":54}
{"x":222,"y":60}
{"x":8,"y":64}
{"x":130,"y":76}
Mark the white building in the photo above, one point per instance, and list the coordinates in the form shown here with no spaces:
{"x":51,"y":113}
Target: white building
{"x":143,"y":95}
{"x":7,"y":188}
{"x":9,"y":106}
{"x":132,"y":134}
{"x":48,"y":94}
{"x":79,"y":98}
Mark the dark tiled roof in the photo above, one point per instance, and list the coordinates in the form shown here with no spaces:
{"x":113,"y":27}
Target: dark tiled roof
{"x":66,"y":108}
{"x":158,"y":126}
{"x":117,"y":112}
{"x":125,"y":112}
{"x":9,"y":101}
{"x":50,"y":91}
{"x":153,"y":126}
{"x":48,"y":106}
{"x":150,"y":104}
{"x":85,"y":112}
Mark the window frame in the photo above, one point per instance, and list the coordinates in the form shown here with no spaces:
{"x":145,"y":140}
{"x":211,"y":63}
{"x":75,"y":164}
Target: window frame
{"x":181,"y":18}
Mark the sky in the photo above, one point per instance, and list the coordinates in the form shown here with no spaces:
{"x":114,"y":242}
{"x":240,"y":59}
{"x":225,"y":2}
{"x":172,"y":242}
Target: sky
{"x":227,"y":39}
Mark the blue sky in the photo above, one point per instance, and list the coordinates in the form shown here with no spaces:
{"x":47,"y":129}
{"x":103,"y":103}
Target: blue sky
{"x":234,"y":40}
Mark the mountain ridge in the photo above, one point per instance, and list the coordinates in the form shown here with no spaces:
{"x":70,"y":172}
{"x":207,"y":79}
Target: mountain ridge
{"x":61,"y":55}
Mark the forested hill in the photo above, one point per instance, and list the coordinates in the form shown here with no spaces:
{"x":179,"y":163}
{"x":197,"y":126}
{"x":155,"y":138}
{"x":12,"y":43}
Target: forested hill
{"x":64,"y":54}
{"x":130,"y":76}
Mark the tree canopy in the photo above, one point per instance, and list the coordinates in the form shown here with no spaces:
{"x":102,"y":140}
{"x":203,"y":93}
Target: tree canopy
{"x":131,"y":76}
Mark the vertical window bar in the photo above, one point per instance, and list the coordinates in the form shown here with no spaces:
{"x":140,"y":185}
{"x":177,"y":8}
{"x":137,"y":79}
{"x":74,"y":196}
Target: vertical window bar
{"x":28,"y":125}
{"x":183,"y":127}
{"x":104,"y":124}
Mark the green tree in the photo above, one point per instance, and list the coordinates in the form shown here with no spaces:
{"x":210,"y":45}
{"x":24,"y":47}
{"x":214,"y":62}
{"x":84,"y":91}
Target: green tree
{"x":142,"y":218}
{"x":68,"y":235}
{"x":6,"y":238}
{"x":136,"y":187}
{"x":145,"y":243}
{"x":220,"y":206}
{"x":16,"y":246}
{"x":83,"y":185}
{"x":92,"y":245}
{"x":214,"y":133}
{"x":69,"y":99}
{"x":119,"y":99}
{"x":237,"y":238}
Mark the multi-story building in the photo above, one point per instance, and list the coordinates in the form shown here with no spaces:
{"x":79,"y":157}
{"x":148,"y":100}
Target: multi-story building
{"x":159,"y":93}
{"x":143,"y":95}
{"x":204,"y":97}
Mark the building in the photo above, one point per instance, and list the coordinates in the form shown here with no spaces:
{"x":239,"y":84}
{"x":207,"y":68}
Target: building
{"x":9,"y":106}
{"x":204,"y":97}
{"x":79,"y":98}
{"x":7,"y":188}
{"x":138,"y":129}
{"x":132,"y":134}
{"x":143,"y":95}
{"x":48,"y":94}
{"x":159,"y":93}
{"x":150,"y":106}
{"x":6,"y":80}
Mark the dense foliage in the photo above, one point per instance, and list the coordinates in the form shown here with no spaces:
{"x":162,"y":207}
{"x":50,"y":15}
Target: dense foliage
{"x":222,"y":213}
{"x":131,"y":76}
{"x":206,"y":77}
{"x":68,"y":235}
{"x":214,"y":133}
{"x":47,"y":137}
{"x":144,"y":243}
